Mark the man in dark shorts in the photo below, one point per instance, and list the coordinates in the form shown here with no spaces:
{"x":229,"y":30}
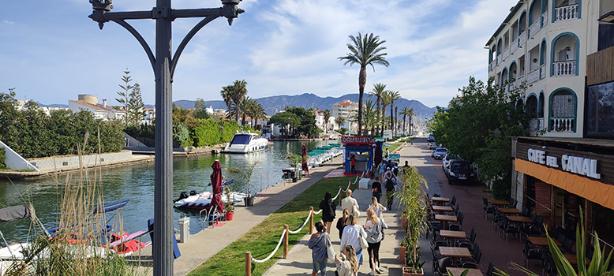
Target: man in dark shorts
{"x":389,"y":193}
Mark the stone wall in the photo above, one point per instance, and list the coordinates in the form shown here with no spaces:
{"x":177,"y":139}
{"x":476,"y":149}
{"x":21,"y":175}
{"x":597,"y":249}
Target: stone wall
{"x":71,"y":162}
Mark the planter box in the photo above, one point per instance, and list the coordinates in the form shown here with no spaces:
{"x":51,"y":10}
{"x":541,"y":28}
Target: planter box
{"x":230,"y":216}
{"x":407,"y":272}
{"x":403,"y":255}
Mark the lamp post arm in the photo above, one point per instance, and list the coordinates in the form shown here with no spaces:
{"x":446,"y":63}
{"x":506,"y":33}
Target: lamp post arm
{"x":141,"y":40}
{"x":187,"y":39}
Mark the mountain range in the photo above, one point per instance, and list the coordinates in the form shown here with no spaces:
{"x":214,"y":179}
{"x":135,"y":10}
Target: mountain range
{"x":274,"y":104}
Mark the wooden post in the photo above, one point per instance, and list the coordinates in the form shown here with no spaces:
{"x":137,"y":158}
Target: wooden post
{"x":248,"y":263}
{"x":286,"y":240}
{"x":310,"y":220}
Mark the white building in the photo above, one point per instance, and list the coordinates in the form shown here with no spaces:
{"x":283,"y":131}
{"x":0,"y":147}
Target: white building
{"x":347,"y":110}
{"x":101,"y":111}
{"x":543,"y":45}
{"x":326,"y":127}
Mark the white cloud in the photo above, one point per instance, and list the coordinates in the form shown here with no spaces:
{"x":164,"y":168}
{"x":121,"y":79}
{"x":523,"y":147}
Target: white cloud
{"x":8,"y":22}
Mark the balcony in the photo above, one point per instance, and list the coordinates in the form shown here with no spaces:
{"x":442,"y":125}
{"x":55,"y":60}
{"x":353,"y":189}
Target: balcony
{"x":514,"y":45}
{"x":537,"y":25}
{"x":522,"y":39}
{"x":565,"y":68}
{"x":491,"y":66}
{"x":533,"y":76}
{"x":562,"y":125}
{"x":542,"y":72}
{"x":536,"y":126}
{"x":566,"y":13}
{"x":506,"y":53}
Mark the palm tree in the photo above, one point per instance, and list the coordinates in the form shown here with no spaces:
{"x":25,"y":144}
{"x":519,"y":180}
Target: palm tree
{"x":233,"y":96}
{"x":370,"y":116}
{"x":253,"y":109}
{"x":393,"y":96}
{"x":407,"y":113}
{"x":326,"y":114}
{"x":379,"y":89}
{"x":386,"y":100}
{"x":364,"y":50}
{"x":339,"y":121}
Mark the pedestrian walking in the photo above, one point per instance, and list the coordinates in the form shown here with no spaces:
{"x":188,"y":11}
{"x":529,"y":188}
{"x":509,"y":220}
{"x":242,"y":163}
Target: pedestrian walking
{"x":376,"y":190}
{"x":373,"y":227}
{"x":304,"y":165}
{"x":328,"y":211}
{"x":351,"y":204}
{"x":353,"y":163}
{"x":319,"y":244}
{"x":347,"y":264}
{"x":389,"y":192}
{"x":355,"y":236}
{"x":342,"y":222}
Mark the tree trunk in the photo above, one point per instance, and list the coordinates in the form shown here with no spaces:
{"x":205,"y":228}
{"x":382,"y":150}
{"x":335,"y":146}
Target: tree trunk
{"x":243,"y":119}
{"x":392,"y":117}
{"x":396,"y":120}
{"x":383,"y":119}
{"x":404,"y":123}
{"x":362,"y":81}
{"x":377,"y":112}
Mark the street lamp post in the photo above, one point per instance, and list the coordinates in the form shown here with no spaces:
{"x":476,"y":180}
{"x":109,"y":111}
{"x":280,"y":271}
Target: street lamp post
{"x":163,"y":64}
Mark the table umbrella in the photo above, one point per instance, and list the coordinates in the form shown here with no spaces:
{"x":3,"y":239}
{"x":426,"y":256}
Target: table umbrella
{"x":216,"y":183}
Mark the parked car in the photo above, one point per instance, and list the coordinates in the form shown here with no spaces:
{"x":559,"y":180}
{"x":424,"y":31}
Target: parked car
{"x":432,"y":145}
{"x":446,"y":161}
{"x":439,"y":153}
{"x":459,"y":171}
{"x":431,"y":138}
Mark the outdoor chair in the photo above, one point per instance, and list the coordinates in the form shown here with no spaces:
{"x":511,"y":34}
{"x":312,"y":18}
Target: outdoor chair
{"x":491,"y":270}
{"x":476,"y":253}
{"x":549,"y":268}
{"x":532,"y":253}
{"x":510,"y":228}
{"x":453,"y":202}
{"x":455,"y":227}
{"x":472,"y":235}
{"x":443,"y":264}
{"x":470,"y":265}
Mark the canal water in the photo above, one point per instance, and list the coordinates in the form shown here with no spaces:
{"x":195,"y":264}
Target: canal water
{"x":252,"y":173}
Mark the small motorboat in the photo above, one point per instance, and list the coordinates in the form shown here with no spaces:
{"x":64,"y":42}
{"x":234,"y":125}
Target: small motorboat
{"x":246,"y":142}
{"x":198,"y":201}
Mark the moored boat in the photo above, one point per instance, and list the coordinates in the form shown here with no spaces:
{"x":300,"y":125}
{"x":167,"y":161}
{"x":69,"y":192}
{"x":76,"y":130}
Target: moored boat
{"x":246,"y":142}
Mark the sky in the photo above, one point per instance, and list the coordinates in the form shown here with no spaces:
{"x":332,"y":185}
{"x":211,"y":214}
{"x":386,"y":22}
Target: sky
{"x":50,"y":51}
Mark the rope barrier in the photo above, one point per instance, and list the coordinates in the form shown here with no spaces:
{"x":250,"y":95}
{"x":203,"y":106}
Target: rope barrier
{"x":318,"y":212}
{"x":337,"y":195}
{"x":281,"y":239}
{"x":301,"y":228}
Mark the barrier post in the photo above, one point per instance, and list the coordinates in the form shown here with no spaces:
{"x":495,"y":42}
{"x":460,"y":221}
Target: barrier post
{"x":286,"y":240}
{"x":248,"y":263}
{"x":310,"y":220}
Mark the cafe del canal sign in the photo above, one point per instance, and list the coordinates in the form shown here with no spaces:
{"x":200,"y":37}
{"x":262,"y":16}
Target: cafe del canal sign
{"x":568,"y":163}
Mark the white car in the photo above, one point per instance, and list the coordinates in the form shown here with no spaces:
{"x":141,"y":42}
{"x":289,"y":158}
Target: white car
{"x":445,"y":164}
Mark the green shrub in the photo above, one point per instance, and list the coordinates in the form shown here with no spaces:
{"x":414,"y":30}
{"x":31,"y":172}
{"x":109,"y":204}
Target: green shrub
{"x":181,"y":135}
{"x":207,"y":133}
{"x":2,"y":156}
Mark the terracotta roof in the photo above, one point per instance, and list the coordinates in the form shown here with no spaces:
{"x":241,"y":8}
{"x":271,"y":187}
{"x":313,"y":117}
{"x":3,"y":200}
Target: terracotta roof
{"x":98,"y":107}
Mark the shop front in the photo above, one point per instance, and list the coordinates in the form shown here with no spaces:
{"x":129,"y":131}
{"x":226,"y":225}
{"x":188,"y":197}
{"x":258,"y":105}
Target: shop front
{"x":557,"y":178}
{"x":359,"y":154}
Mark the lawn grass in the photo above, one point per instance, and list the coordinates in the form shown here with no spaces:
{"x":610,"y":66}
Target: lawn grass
{"x":263,"y":238}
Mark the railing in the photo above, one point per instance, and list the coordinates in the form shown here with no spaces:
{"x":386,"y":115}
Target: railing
{"x":491,"y":66}
{"x":534,"y":28}
{"x":565,"y":68}
{"x":506,"y":53}
{"x":283,"y":239}
{"x":562,"y":124}
{"x":536,"y":126}
{"x":533,"y":76}
{"x":498,"y":59}
{"x":514,"y":45}
{"x":522,"y":39}
{"x":542,"y":71}
{"x":566,"y":13}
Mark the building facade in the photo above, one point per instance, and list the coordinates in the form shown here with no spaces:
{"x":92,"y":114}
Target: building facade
{"x":347,"y":110}
{"x":561,"y":53}
{"x":101,"y":111}
{"x":542,"y":48}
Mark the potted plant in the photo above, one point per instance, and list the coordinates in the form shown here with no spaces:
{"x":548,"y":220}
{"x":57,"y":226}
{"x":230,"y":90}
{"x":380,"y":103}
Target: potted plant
{"x":295,"y":162}
{"x":229,"y":205}
{"x":411,"y":199}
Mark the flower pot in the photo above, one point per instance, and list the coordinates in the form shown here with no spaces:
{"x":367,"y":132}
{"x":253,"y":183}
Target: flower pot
{"x":408,"y":271}
{"x":230,"y":215}
{"x":403,"y":255}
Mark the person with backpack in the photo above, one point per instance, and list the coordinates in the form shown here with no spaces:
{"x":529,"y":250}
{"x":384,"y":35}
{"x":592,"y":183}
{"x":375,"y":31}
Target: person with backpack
{"x":319,"y":244}
{"x":328,"y":211}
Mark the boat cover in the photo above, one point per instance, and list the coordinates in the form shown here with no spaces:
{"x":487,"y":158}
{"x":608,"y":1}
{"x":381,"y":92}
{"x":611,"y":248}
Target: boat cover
{"x":14,"y":212}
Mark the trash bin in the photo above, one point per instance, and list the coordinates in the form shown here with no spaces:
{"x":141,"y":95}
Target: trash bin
{"x":248,"y":200}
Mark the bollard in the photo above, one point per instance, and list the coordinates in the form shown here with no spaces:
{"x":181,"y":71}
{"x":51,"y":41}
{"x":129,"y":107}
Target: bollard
{"x":248,"y":263}
{"x":184,"y":229}
{"x":310,"y":220}
{"x":286,"y":240}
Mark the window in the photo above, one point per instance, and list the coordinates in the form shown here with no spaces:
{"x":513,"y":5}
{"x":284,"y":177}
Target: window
{"x":562,"y":115}
{"x":599,"y":111}
{"x":241,"y":139}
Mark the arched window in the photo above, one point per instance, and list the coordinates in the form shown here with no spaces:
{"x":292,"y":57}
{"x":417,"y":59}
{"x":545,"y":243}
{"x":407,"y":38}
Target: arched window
{"x":531,"y":107}
{"x":513,"y":72}
{"x":565,"y":55}
{"x":522,"y":23}
{"x":540,"y":105}
{"x":563,"y":110}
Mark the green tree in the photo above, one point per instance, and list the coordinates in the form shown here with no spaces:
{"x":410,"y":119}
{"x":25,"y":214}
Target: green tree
{"x":364,"y":50}
{"x":386,"y":101}
{"x":233,"y":96}
{"x":379,"y":89}
{"x":479,"y":125}
{"x":136,"y":107}
{"x":326,"y":115}
{"x":288,"y":120}
{"x":339,"y":121}
{"x":370,"y":116}
{"x":392,"y":97}
{"x":123,"y":94}
{"x":9,"y":119}
{"x":200,"y":110}
{"x":408,"y":113}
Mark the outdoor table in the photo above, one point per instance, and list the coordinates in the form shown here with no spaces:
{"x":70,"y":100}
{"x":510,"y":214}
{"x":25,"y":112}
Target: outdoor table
{"x":508,"y":211}
{"x":540,"y":241}
{"x":453,"y":234}
{"x":458,"y":271}
{"x":454,"y":252}
{"x":519,"y":219}
{"x":445,"y":219}
{"x":441,"y":200}
{"x":498,"y":202}
{"x":572,"y":258}
{"x":437,"y":208}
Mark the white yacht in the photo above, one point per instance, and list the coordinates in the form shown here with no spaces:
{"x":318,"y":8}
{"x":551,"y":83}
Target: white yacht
{"x":246,"y":142}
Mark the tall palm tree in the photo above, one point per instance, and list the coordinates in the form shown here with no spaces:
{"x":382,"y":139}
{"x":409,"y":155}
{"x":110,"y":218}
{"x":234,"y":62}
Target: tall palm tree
{"x":326,"y":114}
{"x":407,"y":113}
{"x":339,"y":121}
{"x":233,"y":96}
{"x":364,"y":50}
{"x":253,"y":109}
{"x":386,"y":100}
{"x":369,"y":118}
{"x":393,"y":96}
{"x":379,"y":89}
{"x":396,"y":120}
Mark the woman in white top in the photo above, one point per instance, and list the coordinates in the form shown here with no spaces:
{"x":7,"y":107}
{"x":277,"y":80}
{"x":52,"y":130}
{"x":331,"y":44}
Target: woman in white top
{"x":346,"y":262}
{"x":352,"y":233}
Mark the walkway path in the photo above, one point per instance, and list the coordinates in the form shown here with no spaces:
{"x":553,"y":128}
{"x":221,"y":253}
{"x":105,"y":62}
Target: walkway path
{"x":202,"y":246}
{"x":299,"y":258}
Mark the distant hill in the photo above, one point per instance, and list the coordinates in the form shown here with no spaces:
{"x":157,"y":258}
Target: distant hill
{"x":274,"y":104}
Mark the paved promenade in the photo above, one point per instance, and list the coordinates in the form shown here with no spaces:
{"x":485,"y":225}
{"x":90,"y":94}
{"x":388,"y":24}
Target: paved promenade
{"x":202,"y":246}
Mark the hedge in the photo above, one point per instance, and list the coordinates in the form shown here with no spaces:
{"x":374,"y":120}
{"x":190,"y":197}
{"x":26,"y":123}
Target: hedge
{"x":2,"y":156}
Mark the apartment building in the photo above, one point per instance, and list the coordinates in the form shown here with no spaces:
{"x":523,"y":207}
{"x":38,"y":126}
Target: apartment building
{"x":541,"y":48}
{"x":347,"y":110}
